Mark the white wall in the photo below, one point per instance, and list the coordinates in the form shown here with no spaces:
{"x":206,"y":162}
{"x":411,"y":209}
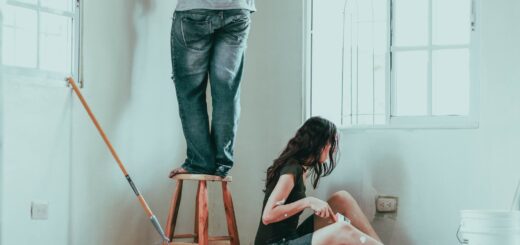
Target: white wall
{"x":34,"y":159}
{"x":2,"y":190}
{"x":36,"y":163}
{"x":437,"y":173}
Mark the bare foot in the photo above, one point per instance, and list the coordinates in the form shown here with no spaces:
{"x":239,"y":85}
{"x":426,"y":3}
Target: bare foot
{"x":179,"y":170}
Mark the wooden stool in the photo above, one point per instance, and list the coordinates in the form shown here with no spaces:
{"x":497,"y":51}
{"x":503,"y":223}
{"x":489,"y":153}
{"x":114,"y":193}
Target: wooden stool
{"x":201,"y":212}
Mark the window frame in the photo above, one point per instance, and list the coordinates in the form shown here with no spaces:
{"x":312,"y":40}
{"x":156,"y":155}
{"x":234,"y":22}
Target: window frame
{"x":470,"y":121}
{"x":38,"y":75}
{"x":449,"y":121}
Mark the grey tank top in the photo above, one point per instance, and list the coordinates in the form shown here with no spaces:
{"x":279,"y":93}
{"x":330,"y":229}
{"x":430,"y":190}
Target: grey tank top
{"x":183,"y":5}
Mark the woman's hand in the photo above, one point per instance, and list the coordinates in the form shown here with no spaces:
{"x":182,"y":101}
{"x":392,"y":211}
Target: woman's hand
{"x":320,"y":208}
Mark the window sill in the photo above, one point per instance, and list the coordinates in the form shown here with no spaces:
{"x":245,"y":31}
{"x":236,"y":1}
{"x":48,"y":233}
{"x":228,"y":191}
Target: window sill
{"x":34,"y":77}
{"x":440,"y":123}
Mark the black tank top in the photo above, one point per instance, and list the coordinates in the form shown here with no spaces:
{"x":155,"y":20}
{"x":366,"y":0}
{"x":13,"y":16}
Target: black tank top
{"x":286,"y":228}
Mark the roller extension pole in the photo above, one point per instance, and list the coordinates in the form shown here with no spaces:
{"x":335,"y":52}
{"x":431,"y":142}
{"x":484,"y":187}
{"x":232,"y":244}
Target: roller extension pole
{"x":145,"y":206}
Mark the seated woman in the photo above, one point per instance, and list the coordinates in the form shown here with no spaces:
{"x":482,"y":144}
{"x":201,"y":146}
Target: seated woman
{"x":307,"y":152}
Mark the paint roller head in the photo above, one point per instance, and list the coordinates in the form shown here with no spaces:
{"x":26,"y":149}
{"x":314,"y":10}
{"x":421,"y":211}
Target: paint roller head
{"x":159,"y":229}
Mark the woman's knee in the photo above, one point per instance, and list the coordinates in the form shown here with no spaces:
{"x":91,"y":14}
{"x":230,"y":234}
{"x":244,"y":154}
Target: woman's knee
{"x":342,"y":197}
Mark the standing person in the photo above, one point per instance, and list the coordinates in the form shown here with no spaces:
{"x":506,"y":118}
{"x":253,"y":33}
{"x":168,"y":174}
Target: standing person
{"x":306,"y":153}
{"x":208,"y":41}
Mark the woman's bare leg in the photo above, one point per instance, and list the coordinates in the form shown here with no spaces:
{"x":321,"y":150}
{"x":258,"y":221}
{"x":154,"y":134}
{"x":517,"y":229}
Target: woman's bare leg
{"x":342,"y":202}
{"x":341,"y":233}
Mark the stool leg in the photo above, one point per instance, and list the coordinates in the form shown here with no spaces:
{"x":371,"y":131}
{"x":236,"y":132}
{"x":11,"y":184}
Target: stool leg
{"x":196,"y":224}
{"x":174,"y":210}
{"x":230,"y":215}
{"x":203,"y":213}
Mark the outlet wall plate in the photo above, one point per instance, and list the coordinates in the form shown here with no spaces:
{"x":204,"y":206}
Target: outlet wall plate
{"x":39,"y":210}
{"x":387,"y":204}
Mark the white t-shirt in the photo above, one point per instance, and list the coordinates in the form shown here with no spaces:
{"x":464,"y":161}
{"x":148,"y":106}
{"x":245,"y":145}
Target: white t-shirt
{"x":183,"y":5}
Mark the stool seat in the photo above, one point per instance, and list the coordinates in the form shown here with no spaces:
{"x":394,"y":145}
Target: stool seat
{"x":202,"y":177}
{"x":200,"y":235}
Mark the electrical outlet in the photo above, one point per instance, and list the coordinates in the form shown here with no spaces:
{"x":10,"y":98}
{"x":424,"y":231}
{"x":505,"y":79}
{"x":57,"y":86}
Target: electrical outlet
{"x":386,"y":204}
{"x":39,"y":210}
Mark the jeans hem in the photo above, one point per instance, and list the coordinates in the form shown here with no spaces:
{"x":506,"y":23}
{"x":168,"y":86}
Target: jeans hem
{"x":192,"y":170}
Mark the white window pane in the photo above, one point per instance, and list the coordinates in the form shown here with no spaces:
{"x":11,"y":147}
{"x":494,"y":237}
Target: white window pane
{"x":364,"y":10}
{"x":451,"y":82}
{"x":65,"y":5}
{"x":380,"y":41}
{"x":19,"y":42}
{"x":326,"y":59}
{"x":451,"y":21}
{"x":354,"y":87}
{"x":411,"y":83}
{"x":365,"y":41}
{"x":380,"y":84}
{"x":365,"y":88}
{"x":380,"y":10}
{"x":380,"y":56}
{"x":411,"y":22}
{"x":348,"y":72}
{"x":55,"y":43}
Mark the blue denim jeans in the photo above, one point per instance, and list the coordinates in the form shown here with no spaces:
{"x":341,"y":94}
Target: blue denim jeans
{"x":209,"y":46}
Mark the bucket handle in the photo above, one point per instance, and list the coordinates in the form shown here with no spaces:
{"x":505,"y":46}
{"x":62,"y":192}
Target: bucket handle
{"x":461,"y":239}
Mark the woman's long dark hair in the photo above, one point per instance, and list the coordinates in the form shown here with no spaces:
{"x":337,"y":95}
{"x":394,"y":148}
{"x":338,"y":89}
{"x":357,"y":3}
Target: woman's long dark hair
{"x":305,"y":149}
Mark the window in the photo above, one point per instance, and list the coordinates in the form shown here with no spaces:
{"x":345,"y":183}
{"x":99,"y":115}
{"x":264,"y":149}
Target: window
{"x":393,"y":63}
{"x":41,"y":38}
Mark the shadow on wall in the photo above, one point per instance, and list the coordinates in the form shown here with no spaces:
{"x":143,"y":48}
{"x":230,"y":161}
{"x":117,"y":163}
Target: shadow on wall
{"x":111,"y":40}
{"x":385,"y":176}
{"x":131,"y":226}
{"x":146,"y":5}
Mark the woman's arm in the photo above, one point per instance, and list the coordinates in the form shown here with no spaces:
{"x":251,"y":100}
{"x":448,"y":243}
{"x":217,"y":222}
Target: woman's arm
{"x":275,"y":210}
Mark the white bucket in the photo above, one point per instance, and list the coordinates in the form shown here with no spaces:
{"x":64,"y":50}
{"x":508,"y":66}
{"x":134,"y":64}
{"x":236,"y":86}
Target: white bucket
{"x":488,"y":227}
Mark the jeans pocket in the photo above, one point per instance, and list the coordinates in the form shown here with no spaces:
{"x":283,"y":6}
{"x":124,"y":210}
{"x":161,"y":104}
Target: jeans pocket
{"x":238,"y":29}
{"x":195,"y":31}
